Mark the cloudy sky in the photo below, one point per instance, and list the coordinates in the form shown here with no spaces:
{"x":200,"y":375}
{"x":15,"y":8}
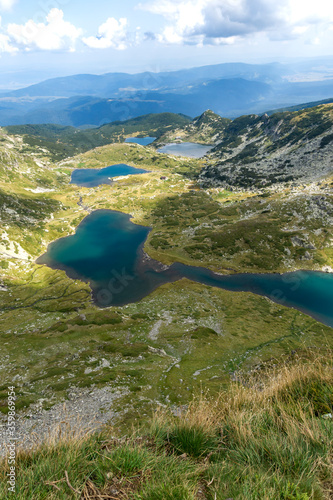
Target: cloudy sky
{"x":42,"y":38}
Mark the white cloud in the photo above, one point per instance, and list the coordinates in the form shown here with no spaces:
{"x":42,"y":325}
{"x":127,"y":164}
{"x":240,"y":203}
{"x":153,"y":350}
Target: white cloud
{"x":5,"y":45}
{"x":111,"y":34}
{"x":311,"y":12}
{"x":6,"y":4}
{"x":316,"y":41}
{"x":170,"y":35}
{"x":55,"y":34}
{"x":299,"y":30}
{"x":184,"y":16}
{"x":226,"y":21}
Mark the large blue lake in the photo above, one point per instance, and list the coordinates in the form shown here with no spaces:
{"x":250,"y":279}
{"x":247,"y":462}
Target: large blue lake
{"x":107,"y":252}
{"x":92,"y":177}
{"x":143,"y":141}
{"x":190,"y":149}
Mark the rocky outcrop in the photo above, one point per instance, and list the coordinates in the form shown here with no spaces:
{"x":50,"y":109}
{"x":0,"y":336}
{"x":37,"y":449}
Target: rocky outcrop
{"x":259,"y":152}
{"x":207,"y":128}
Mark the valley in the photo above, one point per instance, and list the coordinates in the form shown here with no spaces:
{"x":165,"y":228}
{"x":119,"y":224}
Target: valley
{"x":56,"y":342}
{"x":166,"y":250}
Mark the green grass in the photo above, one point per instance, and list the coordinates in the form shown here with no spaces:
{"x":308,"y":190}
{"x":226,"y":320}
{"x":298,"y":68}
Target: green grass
{"x":47,"y":321}
{"x":255,"y":440}
{"x":58,"y":340}
{"x":62,"y":142}
{"x":253,"y":234}
{"x":25,"y":211}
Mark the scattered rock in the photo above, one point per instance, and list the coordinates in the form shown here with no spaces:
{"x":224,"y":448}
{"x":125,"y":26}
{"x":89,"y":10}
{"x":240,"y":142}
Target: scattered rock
{"x":159,"y":352}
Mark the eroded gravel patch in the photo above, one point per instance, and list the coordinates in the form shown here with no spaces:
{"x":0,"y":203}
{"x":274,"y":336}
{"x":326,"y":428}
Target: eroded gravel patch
{"x":85,"y":410}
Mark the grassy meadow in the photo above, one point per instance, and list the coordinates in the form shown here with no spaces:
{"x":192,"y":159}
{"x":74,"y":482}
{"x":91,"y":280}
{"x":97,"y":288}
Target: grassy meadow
{"x":267,"y":436}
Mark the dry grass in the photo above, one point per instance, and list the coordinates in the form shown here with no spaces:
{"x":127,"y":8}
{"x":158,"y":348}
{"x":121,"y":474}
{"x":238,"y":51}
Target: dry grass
{"x":266,"y":437}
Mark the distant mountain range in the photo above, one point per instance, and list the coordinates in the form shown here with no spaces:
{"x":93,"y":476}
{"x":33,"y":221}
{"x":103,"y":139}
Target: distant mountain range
{"x":118,"y":84}
{"x":229,"y":90}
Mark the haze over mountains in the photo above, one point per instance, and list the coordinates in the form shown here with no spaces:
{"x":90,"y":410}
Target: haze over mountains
{"x":229,"y":89}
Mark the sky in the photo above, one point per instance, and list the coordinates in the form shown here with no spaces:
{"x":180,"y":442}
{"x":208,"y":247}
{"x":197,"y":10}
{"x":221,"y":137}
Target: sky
{"x":46,"y":38}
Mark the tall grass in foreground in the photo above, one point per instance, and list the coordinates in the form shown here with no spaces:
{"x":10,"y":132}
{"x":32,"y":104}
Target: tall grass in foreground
{"x":268,"y":437}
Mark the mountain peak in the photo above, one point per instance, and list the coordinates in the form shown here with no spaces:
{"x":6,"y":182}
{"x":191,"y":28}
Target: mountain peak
{"x":207,"y":116}
{"x":211,"y":120}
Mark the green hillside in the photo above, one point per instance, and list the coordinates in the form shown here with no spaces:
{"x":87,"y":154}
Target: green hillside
{"x":268,"y":436}
{"x":116,"y":365}
{"x":61,"y":142}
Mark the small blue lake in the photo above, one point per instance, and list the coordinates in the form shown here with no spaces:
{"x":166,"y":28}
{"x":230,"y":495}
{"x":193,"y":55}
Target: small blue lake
{"x":143,"y":141}
{"x":107,"y":252}
{"x":190,"y":149}
{"x":92,"y":177}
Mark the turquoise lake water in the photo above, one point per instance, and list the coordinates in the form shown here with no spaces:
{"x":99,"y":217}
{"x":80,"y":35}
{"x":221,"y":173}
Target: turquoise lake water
{"x":92,"y":177}
{"x":190,"y":149}
{"x":144,"y":141}
{"x":107,"y":252}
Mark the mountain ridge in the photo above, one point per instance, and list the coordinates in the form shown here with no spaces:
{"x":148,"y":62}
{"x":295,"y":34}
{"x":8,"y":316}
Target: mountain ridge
{"x":229,"y":89}
{"x":63,"y":141}
{"x":111,"y":82}
{"x":261,"y":151}
{"x":222,"y":95}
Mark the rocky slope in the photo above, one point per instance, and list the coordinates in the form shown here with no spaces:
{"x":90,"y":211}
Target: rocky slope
{"x":261,"y":151}
{"x":27,"y":186}
{"x":207,"y":128}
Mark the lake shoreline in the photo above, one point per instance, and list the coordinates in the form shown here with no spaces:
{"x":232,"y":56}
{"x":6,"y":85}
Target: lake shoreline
{"x":121,"y":274}
{"x":94,"y":177}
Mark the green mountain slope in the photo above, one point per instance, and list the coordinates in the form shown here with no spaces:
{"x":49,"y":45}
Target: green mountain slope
{"x":62,"y":142}
{"x":299,"y":107}
{"x":55,"y":342}
{"x":275,"y":442}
